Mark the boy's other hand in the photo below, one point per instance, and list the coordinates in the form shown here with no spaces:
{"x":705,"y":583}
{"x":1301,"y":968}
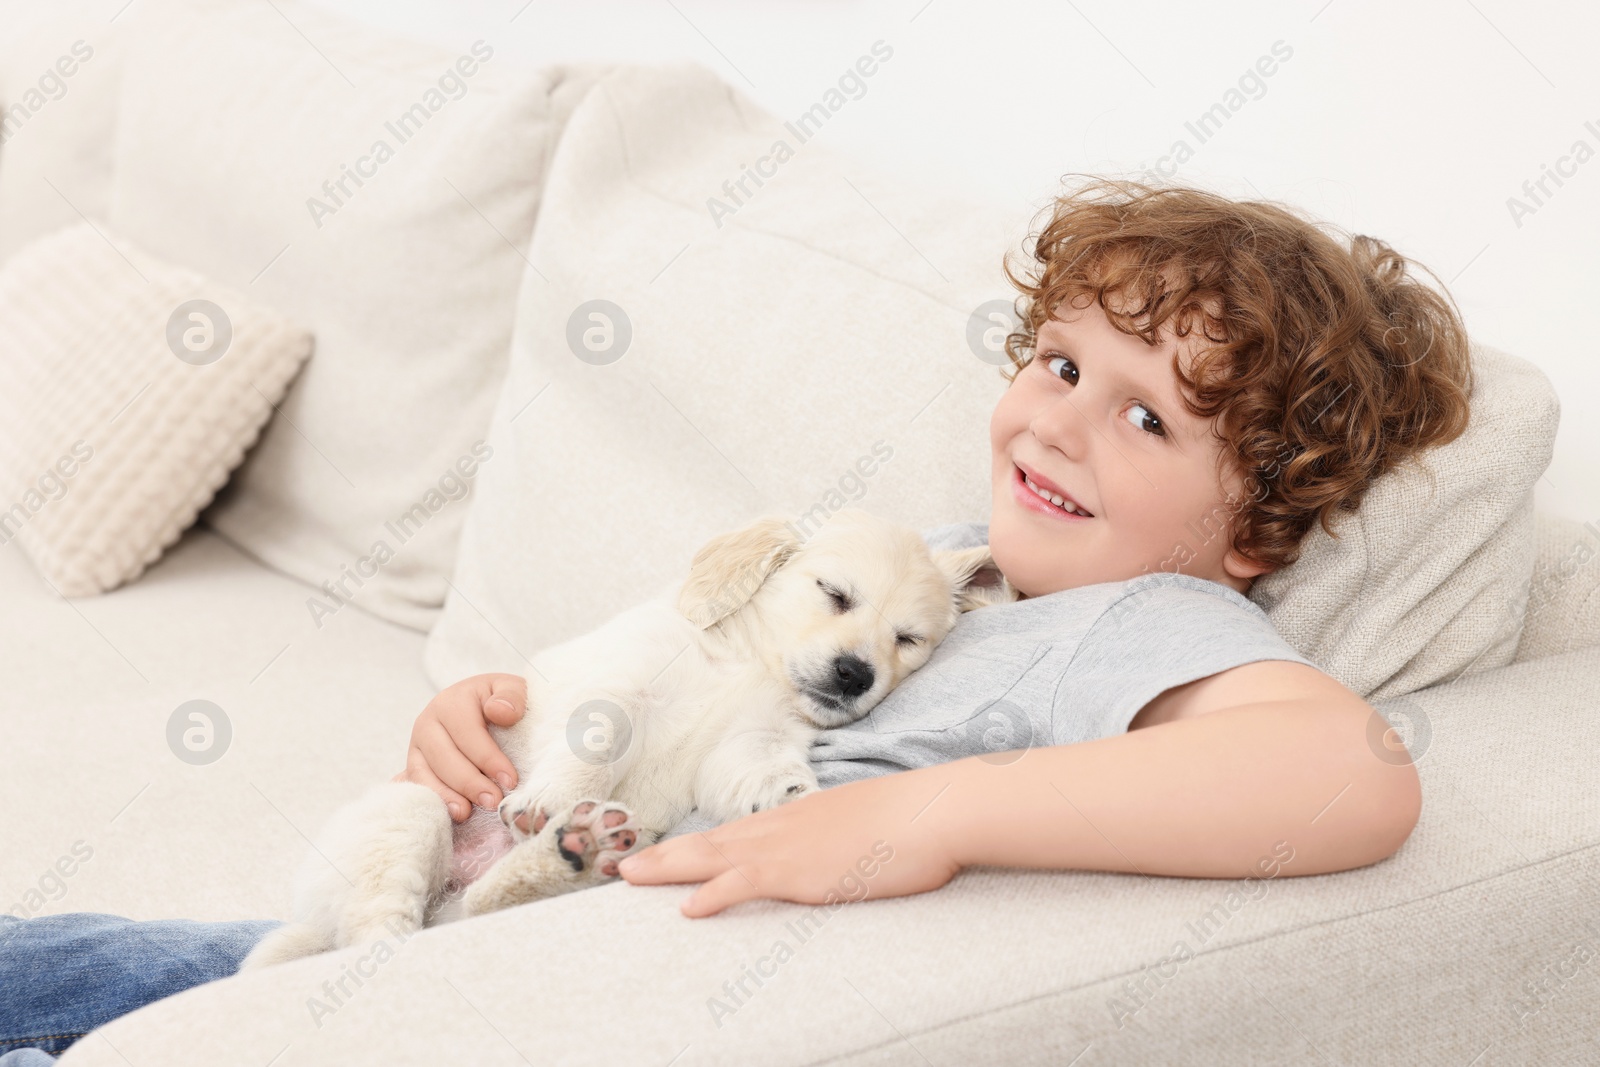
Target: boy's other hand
{"x":451,"y":750}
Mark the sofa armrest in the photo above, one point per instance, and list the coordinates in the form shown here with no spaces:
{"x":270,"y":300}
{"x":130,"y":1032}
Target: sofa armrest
{"x":1564,"y":601}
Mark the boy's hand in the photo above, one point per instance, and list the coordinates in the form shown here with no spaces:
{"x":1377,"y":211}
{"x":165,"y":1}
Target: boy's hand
{"x":451,"y":751}
{"x":867,"y":838}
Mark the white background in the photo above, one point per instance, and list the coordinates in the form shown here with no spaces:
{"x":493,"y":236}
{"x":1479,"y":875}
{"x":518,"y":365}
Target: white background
{"x":1412,"y":122}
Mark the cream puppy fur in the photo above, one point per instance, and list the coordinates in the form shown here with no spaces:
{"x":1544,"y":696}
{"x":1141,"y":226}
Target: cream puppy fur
{"x":707,"y":696}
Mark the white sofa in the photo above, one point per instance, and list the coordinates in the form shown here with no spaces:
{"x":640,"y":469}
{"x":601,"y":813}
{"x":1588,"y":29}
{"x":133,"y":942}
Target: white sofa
{"x":1475,"y":943}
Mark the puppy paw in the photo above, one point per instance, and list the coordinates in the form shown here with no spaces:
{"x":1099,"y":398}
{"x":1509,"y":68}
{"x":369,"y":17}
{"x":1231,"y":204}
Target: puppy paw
{"x":780,"y":787}
{"x":579,"y":845}
{"x":526,"y":811}
{"x":595,"y":836}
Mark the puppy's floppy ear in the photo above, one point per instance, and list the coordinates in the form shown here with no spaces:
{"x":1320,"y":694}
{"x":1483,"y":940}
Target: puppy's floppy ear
{"x":728,"y":570}
{"x":974,"y":577}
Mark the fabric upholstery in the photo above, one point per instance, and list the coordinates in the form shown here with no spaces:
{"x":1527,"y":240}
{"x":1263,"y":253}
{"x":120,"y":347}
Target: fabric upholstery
{"x":1564,"y":595}
{"x":93,"y":687}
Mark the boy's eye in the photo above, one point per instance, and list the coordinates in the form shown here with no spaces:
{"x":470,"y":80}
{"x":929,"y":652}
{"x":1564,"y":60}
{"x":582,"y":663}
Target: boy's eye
{"x":1149,"y":418}
{"x":1048,"y":360}
{"x":1150,"y":423}
{"x":841,"y":603}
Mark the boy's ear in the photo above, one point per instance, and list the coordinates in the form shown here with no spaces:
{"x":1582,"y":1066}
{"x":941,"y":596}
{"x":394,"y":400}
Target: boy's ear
{"x":729,"y":568}
{"x":975,"y":580}
{"x":1242,"y":567}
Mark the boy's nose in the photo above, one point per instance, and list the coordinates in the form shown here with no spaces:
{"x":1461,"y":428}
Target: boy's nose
{"x":1063,"y":424}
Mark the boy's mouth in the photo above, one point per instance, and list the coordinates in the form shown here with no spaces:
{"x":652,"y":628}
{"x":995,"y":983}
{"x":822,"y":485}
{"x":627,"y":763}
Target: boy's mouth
{"x":1032,"y":497}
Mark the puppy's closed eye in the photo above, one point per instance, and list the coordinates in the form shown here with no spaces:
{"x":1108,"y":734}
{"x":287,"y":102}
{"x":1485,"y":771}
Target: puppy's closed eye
{"x":841,"y":602}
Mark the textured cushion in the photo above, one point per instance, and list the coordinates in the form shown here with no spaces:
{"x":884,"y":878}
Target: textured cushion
{"x":1564,"y":595}
{"x":1429,"y":579}
{"x":803,"y":352}
{"x":129,"y":389}
{"x":248,"y":145}
{"x":60,"y":65}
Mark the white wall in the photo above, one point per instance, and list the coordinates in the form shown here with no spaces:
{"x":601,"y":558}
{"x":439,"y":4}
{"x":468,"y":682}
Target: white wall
{"x":1413,"y":122}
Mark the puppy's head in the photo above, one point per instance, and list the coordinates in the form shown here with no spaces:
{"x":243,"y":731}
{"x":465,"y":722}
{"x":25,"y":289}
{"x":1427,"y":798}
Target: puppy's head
{"x":845,"y":616}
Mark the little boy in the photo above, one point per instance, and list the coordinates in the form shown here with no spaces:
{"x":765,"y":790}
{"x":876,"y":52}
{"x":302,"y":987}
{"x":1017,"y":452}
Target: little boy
{"x":1196,"y":381}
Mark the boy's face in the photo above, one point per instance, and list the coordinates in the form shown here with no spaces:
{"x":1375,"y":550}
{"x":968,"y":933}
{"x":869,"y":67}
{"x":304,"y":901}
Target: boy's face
{"x":1086,"y":415}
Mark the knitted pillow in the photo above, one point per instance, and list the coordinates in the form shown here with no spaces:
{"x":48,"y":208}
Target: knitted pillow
{"x":129,"y":389}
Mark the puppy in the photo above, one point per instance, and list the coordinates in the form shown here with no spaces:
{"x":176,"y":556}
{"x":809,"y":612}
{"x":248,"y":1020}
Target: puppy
{"x":707,"y":696}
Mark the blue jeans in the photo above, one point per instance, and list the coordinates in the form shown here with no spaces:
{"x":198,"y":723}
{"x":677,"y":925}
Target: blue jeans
{"x":63,"y":975}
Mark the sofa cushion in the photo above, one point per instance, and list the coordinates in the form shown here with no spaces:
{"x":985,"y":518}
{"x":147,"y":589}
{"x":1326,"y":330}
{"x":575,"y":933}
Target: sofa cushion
{"x":692,"y":357}
{"x":1429,"y":579}
{"x":60,"y":67}
{"x":201,"y":825}
{"x":382,"y":193}
{"x":129,"y":389}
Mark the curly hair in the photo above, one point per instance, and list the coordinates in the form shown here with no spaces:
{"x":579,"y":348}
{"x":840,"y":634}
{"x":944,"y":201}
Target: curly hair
{"x":1324,"y":366}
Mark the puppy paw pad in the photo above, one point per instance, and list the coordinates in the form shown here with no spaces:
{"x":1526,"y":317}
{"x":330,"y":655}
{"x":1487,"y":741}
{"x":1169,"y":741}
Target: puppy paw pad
{"x":523,"y":815}
{"x":596,"y":835}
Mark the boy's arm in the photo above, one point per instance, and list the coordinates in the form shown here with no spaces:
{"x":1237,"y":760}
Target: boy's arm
{"x":1208,"y":795}
{"x":1308,"y":781}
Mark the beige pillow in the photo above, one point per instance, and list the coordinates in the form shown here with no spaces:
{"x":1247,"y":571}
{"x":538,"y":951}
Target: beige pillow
{"x":1429,"y":578}
{"x":805,"y":352}
{"x":129,"y":389}
{"x":248,"y":147}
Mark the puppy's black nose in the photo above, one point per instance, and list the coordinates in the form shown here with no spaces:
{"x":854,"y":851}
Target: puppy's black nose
{"x":852,"y":676}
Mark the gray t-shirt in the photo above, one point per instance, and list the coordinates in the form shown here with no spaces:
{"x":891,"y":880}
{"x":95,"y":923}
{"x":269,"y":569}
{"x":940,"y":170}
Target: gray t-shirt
{"x":1073,"y":665}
